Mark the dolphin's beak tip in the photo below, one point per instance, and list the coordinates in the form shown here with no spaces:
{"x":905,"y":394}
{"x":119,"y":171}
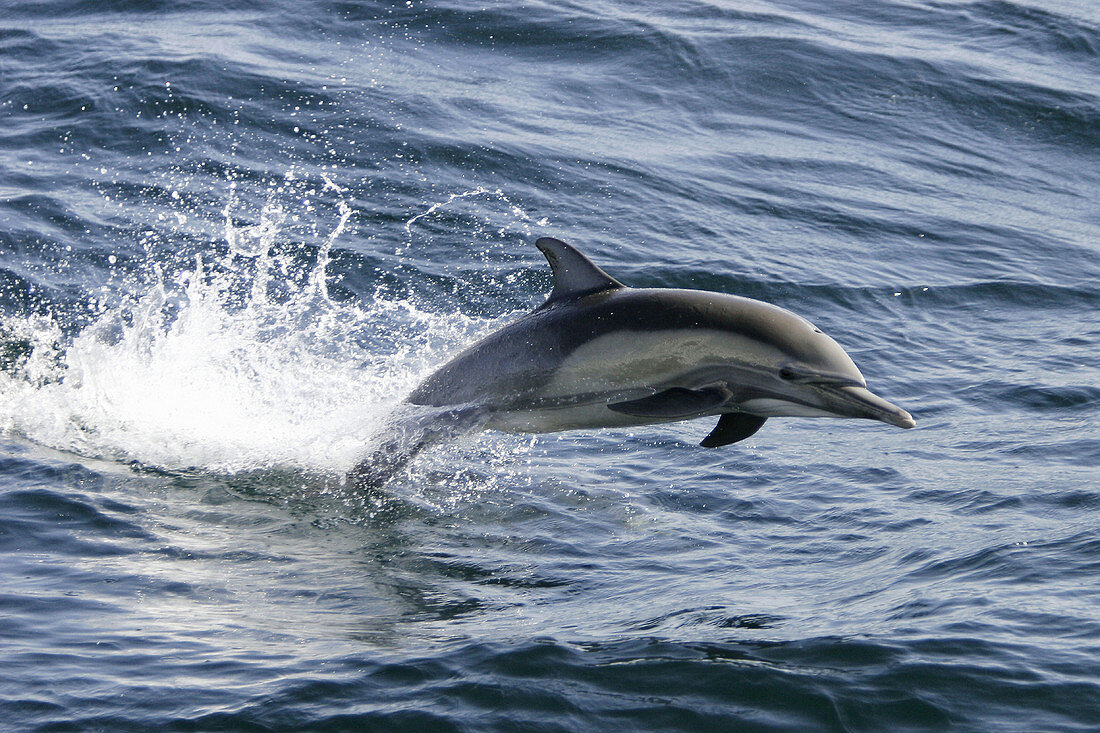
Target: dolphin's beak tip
{"x":869,"y":405}
{"x":901,"y":418}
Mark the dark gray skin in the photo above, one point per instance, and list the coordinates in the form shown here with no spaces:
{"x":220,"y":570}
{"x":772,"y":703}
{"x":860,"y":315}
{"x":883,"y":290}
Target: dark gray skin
{"x":599,"y":354}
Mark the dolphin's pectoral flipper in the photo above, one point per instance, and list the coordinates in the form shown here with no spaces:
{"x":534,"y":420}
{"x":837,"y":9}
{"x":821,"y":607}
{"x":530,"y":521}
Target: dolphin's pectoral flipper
{"x":574,"y":274}
{"x":675,"y":402}
{"x":732,"y":427}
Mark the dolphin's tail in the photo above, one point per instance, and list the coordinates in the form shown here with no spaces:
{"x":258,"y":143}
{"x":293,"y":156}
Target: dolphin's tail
{"x":407,"y":431}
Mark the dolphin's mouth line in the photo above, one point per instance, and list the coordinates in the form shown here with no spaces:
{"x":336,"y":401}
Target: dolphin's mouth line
{"x":865,"y":403}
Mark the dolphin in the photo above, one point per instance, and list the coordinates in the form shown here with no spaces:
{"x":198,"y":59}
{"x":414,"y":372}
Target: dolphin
{"x":600,"y":354}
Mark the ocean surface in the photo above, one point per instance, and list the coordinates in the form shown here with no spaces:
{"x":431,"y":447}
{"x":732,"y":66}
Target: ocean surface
{"x":234,"y":235}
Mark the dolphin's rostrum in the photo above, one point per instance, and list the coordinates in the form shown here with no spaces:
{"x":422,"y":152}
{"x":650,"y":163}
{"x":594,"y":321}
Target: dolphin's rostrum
{"x":600,"y":354}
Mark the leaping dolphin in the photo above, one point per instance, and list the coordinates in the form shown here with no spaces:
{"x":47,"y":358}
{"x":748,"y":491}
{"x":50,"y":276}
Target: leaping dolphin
{"x":600,"y":354}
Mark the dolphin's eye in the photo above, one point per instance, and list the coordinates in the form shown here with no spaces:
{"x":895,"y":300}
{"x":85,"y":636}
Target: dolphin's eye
{"x":787,"y":374}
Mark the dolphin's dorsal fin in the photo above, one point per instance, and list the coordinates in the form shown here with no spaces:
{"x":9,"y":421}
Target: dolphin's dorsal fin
{"x":574,"y":274}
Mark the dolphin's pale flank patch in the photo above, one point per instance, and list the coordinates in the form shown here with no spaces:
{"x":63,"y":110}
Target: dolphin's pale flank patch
{"x":600,"y":354}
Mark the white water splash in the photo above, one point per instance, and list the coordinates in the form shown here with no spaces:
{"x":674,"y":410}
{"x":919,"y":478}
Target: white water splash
{"x":231,"y":365}
{"x":516,"y":216}
{"x":479,"y":191}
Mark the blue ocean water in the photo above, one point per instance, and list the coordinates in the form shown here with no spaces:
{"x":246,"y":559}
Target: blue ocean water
{"x":232,"y":237}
